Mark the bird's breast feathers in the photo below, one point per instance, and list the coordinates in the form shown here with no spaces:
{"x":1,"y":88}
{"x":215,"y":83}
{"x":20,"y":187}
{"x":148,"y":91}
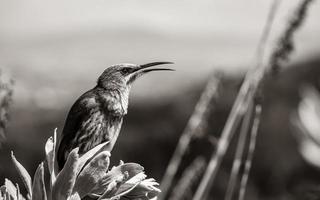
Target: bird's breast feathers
{"x":114,"y":101}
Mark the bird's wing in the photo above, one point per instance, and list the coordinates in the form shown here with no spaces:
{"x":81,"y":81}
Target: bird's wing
{"x":88,"y":123}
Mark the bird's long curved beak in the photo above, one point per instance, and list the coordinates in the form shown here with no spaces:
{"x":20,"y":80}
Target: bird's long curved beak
{"x":142,"y":68}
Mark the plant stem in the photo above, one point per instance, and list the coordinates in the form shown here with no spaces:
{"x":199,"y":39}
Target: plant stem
{"x":266,"y":32}
{"x":247,"y":92}
{"x":252,"y":145}
{"x":245,"y":129}
{"x":200,"y":114}
{"x":190,"y":177}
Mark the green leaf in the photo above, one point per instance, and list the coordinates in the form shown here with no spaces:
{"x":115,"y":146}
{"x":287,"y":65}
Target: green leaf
{"x":26,"y":179}
{"x":65,"y":181}
{"x":38,"y":187}
{"x":92,"y":173}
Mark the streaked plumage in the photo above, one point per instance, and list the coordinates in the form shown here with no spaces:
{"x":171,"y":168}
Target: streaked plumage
{"x":97,"y":115}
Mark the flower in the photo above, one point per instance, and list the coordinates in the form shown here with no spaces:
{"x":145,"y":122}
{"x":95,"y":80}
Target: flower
{"x":306,"y":121}
{"x":83,"y":175}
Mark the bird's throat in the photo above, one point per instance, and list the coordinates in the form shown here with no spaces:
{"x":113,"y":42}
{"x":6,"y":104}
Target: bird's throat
{"x":124,"y":99}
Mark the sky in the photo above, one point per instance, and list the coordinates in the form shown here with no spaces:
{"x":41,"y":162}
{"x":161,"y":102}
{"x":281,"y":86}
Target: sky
{"x":59,"y":48}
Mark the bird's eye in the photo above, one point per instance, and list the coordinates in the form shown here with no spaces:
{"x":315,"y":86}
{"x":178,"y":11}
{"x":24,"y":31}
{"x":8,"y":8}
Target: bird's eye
{"x":125,"y":70}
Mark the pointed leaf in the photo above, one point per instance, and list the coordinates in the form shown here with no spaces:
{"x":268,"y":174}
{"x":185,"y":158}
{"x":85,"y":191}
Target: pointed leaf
{"x":129,"y":185}
{"x":113,"y":186}
{"x":146,"y":190}
{"x":55,"y":144}
{"x":117,"y":173}
{"x":10,"y":189}
{"x":3,"y":190}
{"x":75,"y":196}
{"x":6,"y":194}
{"x":132,"y":169}
{"x":50,"y":149}
{"x":92,"y":174}
{"x":63,"y":186}
{"x":18,"y":192}
{"x":38,"y":187}
{"x":19,"y":195}
{"x":115,"y":182}
{"x":90,"y":154}
{"x":26,"y":179}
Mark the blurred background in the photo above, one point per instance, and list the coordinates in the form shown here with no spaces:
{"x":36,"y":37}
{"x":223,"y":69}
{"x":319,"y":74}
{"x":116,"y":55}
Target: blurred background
{"x":55,"y":51}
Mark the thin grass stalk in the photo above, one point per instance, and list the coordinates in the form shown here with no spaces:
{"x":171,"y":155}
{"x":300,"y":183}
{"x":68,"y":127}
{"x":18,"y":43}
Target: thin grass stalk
{"x":247,"y":119}
{"x":189,"y":178}
{"x":244,"y":131}
{"x":247,"y":92}
{"x":200,"y":114}
{"x":266,"y":31}
{"x":252,"y":145}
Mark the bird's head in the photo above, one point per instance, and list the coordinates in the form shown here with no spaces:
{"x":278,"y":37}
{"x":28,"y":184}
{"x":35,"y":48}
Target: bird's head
{"x":123,"y":75}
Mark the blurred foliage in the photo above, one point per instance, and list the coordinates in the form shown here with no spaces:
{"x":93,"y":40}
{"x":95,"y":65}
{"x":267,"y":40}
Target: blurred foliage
{"x":6,"y":91}
{"x":279,"y":171}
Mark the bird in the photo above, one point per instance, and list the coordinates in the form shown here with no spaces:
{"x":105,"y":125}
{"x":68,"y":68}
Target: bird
{"x":97,"y":115}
